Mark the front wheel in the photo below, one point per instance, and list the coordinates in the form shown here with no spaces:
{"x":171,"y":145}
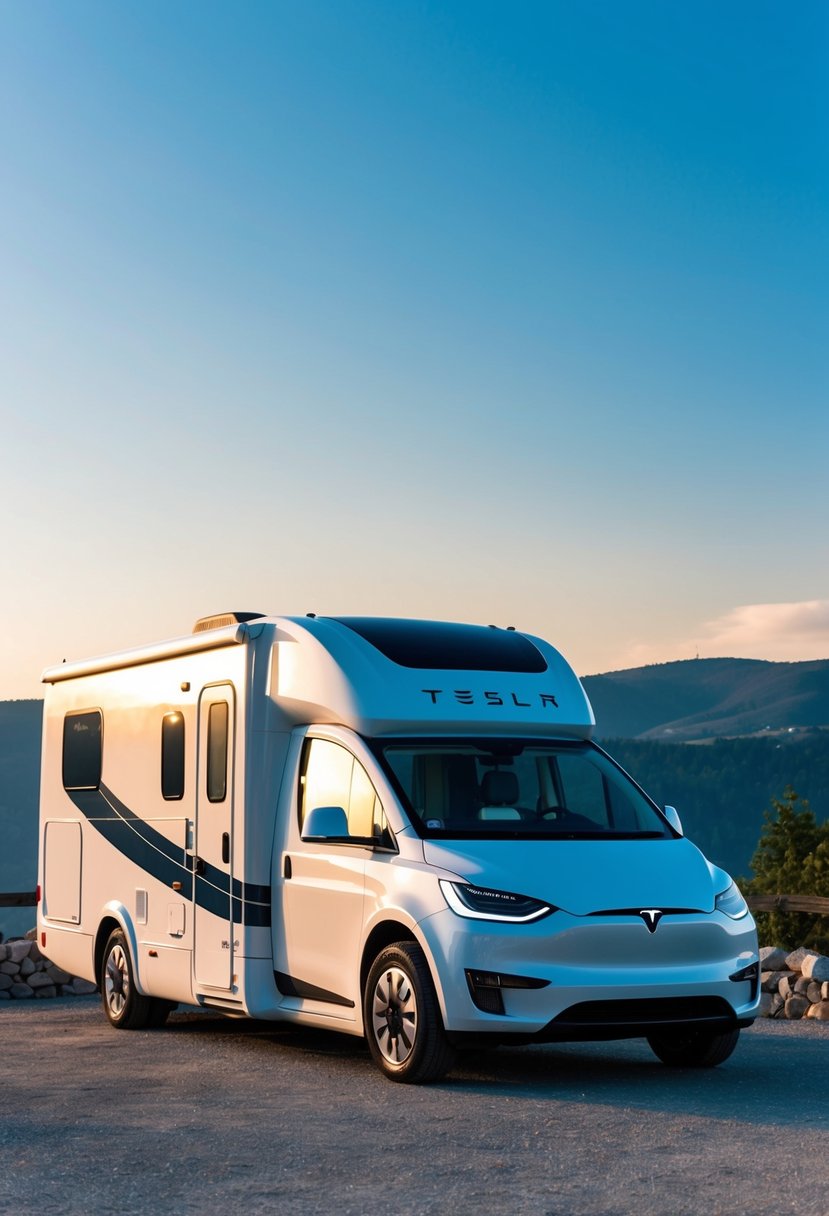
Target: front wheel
{"x":693,"y":1048}
{"x":402,"y":1017}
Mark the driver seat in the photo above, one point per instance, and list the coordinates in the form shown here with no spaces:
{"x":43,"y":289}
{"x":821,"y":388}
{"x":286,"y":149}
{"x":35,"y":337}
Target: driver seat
{"x":499,"y":793}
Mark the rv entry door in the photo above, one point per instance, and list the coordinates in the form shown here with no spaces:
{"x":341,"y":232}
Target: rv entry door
{"x":213,"y":860}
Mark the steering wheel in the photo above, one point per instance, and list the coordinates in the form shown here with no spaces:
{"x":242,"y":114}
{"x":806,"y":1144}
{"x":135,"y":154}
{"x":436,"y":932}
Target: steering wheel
{"x":554,"y":812}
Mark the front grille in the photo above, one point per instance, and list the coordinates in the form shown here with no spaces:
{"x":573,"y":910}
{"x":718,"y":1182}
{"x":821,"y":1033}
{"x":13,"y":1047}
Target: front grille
{"x":654,"y":1010}
{"x":638,"y":912}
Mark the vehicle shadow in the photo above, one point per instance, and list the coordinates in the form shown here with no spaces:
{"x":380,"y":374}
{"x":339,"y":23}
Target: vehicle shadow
{"x":627,"y":1075}
{"x":618,"y":1075}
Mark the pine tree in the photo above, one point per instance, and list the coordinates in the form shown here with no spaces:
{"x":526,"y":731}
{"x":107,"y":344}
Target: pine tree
{"x":792,"y":858}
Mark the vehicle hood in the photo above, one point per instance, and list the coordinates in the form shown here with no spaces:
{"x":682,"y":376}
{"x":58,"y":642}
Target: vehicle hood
{"x":584,"y":876}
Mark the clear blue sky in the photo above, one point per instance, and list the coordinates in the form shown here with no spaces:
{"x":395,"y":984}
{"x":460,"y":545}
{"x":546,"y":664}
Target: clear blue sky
{"x":511,"y":313}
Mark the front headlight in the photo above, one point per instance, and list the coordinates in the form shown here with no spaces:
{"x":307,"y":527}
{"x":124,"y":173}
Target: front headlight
{"x":731,"y":902}
{"x":482,"y":903}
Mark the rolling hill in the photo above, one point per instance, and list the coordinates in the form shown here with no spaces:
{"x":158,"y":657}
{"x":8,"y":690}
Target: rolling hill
{"x":702,"y":699}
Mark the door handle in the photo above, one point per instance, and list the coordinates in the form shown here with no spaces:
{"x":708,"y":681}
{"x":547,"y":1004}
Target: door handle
{"x":198,"y":865}
{"x":287,"y":869}
{"x":226,"y":847}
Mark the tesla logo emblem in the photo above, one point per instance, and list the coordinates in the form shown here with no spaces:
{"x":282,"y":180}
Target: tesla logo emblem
{"x":651,"y":917}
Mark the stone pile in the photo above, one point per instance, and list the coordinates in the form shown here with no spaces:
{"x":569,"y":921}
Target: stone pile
{"x":794,"y":984}
{"x":25,"y":973}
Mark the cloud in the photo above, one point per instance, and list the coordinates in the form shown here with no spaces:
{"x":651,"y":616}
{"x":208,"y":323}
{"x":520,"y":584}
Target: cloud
{"x":782,"y":632}
{"x":770,"y":631}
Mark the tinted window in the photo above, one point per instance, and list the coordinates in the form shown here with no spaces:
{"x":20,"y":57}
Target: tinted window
{"x":82,"y":748}
{"x":217,"y":724}
{"x":172,"y":756}
{"x":500,"y":788}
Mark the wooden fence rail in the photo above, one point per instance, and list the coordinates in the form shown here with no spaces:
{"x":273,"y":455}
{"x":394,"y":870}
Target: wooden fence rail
{"x":818,"y":904}
{"x":18,"y":899}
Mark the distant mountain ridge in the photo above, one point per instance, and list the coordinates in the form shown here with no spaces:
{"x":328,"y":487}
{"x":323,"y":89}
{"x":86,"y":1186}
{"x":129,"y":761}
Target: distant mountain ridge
{"x":697,"y":699}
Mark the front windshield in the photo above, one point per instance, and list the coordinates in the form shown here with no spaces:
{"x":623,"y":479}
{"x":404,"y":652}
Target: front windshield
{"x":507,"y":788}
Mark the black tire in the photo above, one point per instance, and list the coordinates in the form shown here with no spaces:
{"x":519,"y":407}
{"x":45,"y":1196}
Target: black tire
{"x":693,"y":1048}
{"x":402,"y":1018}
{"x":159,"y":1012}
{"x":125,"y":1007}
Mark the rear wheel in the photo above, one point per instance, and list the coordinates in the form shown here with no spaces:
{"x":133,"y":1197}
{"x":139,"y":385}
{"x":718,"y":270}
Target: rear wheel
{"x":402,"y":1017}
{"x":693,"y":1048}
{"x":125,"y":1007}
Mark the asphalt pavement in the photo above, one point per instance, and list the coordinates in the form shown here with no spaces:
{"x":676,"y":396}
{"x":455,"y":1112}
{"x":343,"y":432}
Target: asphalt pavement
{"x":217,"y":1115}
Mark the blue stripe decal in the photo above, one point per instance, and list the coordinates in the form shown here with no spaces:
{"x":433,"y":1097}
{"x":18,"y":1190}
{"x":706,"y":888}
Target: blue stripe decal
{"x":152,"y":852}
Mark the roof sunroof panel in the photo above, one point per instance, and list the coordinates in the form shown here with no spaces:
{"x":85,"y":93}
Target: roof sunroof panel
{"x":442,"y":645}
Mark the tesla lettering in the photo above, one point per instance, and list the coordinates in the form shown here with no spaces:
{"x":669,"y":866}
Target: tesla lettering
{"x":465,"y":696}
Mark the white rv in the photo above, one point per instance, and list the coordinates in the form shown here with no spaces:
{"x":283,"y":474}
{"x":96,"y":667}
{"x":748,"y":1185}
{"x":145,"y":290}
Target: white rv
{"x":397,"y":829}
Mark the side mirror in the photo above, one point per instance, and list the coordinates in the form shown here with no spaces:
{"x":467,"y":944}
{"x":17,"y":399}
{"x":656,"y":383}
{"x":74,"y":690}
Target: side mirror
{"x":673,"y":819}
{"x":325,"y":823}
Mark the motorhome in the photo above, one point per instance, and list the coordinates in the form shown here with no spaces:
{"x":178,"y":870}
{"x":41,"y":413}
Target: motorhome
{"x":392,"y":828}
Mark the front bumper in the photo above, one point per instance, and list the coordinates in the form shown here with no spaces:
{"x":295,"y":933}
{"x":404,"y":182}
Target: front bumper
{"x":592,"y":977}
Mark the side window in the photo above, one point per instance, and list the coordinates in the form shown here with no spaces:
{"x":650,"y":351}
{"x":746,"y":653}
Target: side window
{"x":361,"y":802}
{"x":82,"y":750}
{"x":326,"y":779}
{"x":217,"y":731}
{"x":333,"y":777}
{"x":172,"y":756}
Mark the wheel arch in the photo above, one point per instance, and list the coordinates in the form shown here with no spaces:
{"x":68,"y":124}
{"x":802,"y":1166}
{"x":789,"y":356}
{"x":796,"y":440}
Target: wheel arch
{"x":115,"y":916}
{"x":382,"y":935}
{"x":385,"y":933}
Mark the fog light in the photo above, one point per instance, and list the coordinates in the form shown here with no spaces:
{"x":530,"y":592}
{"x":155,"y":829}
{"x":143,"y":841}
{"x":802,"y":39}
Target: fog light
{"x":486,"y":988}
{"x":749,"y":974}
{"x":486,"y":996}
